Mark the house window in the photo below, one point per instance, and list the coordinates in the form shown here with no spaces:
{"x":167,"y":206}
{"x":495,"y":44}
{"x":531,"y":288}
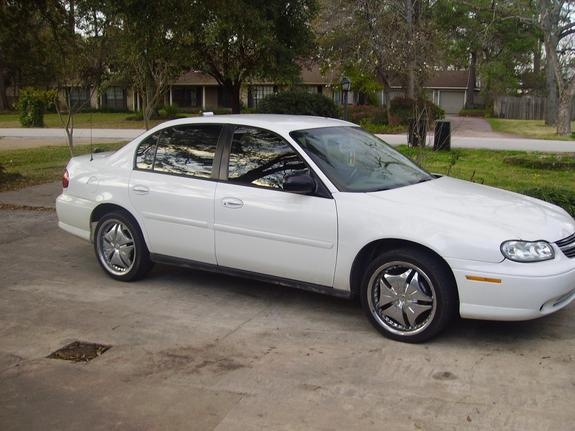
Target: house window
{"x":313,"y":89}
{"x":257,"y":93}
{"x":187,"y":97}
{"x":79,"y":98}
{"x":114,"y":98}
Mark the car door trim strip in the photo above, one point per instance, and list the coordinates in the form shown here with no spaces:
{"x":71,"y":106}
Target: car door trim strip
{"x":273,"y":236}
{"x":177,"y":220}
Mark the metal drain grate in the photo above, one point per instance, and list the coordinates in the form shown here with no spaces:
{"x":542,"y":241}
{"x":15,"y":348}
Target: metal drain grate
{"x":79,"y":351}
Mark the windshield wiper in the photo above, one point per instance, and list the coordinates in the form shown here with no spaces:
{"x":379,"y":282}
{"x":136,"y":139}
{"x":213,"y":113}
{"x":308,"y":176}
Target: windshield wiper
{"x":423,"y":180}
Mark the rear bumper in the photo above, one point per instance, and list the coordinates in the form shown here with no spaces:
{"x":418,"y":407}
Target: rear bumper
{"x":526,"y":290}
{"x":74,"y":215}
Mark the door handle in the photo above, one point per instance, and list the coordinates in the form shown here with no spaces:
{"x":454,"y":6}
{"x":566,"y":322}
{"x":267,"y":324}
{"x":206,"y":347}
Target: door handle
{"x":141,"y":190}
{"x":232,"y":203}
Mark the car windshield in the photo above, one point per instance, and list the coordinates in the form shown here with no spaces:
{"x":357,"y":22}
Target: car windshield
{"x":357,"y":161}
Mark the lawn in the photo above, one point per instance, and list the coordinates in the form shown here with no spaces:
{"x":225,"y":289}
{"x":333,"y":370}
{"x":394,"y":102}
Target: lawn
{"x":535,"y":129}
{"x":32,"y":166}
{"x":96,"y":120}
{"x":495,"y":168}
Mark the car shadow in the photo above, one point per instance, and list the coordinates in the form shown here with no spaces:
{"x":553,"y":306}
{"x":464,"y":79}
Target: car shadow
{"x":557,"y":326}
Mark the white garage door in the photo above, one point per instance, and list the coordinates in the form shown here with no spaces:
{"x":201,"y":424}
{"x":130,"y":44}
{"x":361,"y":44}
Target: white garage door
{"x":451,"y":101}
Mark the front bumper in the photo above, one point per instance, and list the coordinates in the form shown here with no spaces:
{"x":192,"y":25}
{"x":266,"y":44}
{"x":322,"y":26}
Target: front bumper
{"x":526,"y":291}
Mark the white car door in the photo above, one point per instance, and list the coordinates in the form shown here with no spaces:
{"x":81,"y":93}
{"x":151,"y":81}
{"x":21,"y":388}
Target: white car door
{"x":172,"y":188}
{"x":261,"y":228}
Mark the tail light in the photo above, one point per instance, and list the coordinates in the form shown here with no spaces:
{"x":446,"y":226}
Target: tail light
{"x":65,"y":179}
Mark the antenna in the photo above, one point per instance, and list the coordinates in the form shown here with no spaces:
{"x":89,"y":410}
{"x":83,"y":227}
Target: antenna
{"x":91,"y":145}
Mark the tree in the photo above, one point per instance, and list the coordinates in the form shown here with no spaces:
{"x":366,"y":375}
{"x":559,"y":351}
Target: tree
{"x":390,"y":39}
{"x":493,"y":39}
{"x":78,"y":43}
{"x":23,"y":58}
{"x":558,"y":26}
{"x":236,"y":41}
{"x":150,"y":54}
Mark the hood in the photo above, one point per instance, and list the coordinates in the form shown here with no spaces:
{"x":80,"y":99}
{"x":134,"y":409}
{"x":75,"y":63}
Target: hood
{"x":522,"y":217}
{"x":467,"y":220}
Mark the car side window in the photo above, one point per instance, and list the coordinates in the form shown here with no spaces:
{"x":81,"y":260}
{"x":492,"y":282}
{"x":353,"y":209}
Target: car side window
{"x":187,"y":150}
{"x":146,"y":152}
{"x":262,"y":158}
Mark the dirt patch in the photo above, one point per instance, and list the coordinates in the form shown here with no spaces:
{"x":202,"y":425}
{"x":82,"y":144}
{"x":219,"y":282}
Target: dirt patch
{"x":194,"y":360}
{"x":79,"y":351}
{"x":12,"y":207}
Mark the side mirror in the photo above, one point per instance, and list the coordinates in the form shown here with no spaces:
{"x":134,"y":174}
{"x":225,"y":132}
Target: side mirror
{"x":302,"y":184}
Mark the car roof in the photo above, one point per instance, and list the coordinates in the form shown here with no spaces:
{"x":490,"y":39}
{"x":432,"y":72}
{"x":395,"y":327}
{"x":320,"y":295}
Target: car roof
{"x":275,"y":122}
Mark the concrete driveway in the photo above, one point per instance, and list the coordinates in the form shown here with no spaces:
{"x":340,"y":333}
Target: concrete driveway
{"x":197,"y":351}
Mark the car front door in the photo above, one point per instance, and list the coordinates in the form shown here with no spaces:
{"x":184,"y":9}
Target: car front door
{"x":261,"y":228}
{"x":172,"y":187}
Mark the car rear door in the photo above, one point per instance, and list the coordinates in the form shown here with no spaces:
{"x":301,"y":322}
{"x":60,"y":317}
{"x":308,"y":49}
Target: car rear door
{"x":172,"y":187}
{"x":261,"y":228}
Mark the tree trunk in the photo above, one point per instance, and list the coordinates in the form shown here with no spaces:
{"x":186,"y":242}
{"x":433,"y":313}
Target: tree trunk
{"x":4,"y":105}
{"x":386,"y":92}
{"x":235,"y":89}
{"x":551,"y":86}
{"x":471,"y":81}
{"x":411,"y":65}
{"x":564,"y":114}
{"x":537,"y":59}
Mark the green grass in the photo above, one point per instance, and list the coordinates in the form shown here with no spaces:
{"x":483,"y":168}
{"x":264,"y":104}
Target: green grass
{"x":489,"y":167}
{"x":45,"y":164}
{"x":33,"y":166}
{"x":97,"y":120}
{"x":535,"y":129}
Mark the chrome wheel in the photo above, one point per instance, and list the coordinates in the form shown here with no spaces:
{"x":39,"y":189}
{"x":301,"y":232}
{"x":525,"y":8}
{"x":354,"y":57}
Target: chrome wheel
{"x":116,"y":247}
{"x":401,"y":298}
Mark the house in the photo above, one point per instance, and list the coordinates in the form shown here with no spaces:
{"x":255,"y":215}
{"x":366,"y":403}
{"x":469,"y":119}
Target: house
{"x":195,"y":90}
{"x":447,"y":89}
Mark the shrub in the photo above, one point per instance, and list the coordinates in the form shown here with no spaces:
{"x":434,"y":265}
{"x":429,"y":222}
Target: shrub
{"x":562,"y":197}
{"x":373,"y":114}
{"x":32,"y":103}
{"x":381,"y":128}
{"x":170,"y":112}
{"x":6,"y":177}
{"x":298,"y":103}
{"x":557,"y":162}
{"x":219,"y":111}
{"x":404,"y":109}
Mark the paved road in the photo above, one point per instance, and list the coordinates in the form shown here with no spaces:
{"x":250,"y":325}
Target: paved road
{"x":197,"y":351}
{"x":12,"y":139}
{"x":33,"y":133}
{"x":25,"y":138}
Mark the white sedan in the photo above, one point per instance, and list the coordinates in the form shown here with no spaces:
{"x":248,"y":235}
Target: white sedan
{"x":320,"y":204}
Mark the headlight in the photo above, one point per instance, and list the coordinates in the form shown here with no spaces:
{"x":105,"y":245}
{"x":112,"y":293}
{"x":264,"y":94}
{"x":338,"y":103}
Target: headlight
{"x":527,"y":251}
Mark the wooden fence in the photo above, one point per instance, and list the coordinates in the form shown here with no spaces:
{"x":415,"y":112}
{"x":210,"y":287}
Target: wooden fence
{"x":523,"y":107}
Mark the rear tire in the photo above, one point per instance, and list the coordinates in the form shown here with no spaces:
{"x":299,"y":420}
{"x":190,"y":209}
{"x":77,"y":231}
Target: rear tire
{"x":120,"y":247}
{"x":409,"y":294}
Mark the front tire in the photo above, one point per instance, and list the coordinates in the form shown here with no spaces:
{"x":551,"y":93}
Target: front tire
{"x":120,"y":247}
{"x":409,"y":295}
